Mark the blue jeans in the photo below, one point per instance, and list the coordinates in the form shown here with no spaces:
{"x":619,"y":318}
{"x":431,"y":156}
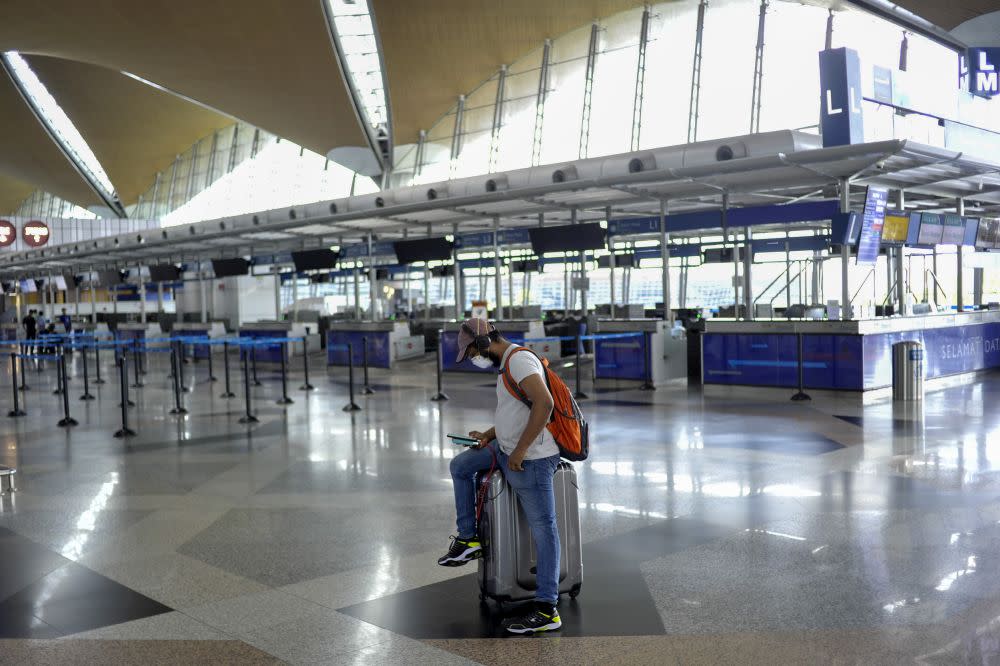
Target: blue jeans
{"x":535,"y":493}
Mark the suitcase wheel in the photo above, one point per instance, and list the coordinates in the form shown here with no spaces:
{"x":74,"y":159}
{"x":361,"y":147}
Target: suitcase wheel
{"x":575,"y":591}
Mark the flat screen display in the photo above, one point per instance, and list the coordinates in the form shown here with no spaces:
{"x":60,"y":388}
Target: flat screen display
{"x":954,"y":230}
{"x":568,"y":238}
{"x":422,"y":249}
{"x":987,"y":236}
{"x":109,"y":278}
{"x":971,"y":229}
{"x":897,"y":225}
{"x":314,"y":260}
{"x":525,"y":266}
{"x":931,"y":229}
{"x":164,"y":273}
{"x":28,"y":287}
{"x":230,"y":267}
{"x":872,"y":224}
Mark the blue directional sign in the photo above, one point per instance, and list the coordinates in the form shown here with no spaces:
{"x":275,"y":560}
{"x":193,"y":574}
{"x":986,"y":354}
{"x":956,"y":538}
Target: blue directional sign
{"x":634,"y":226}
{"x":984,"y":71}
{"x":479,"y":239}
{"x":514,"y":237}
{"x":840,"y":85}
{"x":379,"y":249}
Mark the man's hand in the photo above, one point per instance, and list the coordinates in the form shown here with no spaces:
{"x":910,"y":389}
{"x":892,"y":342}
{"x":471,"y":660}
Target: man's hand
{"x":483,"y":437}
{"x":515,"y":460}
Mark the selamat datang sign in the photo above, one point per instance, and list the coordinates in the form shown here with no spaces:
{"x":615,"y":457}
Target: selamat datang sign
{"x":8,"y":233}
{"x":35,"y":233}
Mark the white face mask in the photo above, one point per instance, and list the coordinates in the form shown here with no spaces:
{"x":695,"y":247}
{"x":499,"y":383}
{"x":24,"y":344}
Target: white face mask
{"x":482,"y":362}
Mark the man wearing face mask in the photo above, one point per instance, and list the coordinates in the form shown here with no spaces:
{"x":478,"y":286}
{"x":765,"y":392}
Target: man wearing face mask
{"x":523,"y":449}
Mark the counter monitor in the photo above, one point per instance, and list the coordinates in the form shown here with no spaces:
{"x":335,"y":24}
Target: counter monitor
{"x":897,"y":224}
{"x":422,"y":249}
{"x":28,"y":287}
{"x":931,"y":229}
{"x":986,"y":237}
{"x":230,"y":267}
{"x":568,"y":238}
{"x":314,"y":260}
{"x":954,"y":230}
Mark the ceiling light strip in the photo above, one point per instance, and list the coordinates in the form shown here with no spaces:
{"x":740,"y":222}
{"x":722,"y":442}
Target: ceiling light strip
{"x":60,"y":129}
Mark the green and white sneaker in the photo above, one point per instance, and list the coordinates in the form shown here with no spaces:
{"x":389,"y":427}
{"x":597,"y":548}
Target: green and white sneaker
{"x":462,"y":551}
{"x":538,"y":618}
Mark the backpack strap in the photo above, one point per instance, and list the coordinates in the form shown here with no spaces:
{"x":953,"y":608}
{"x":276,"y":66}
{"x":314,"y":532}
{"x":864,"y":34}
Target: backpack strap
{"x":512,"y":386}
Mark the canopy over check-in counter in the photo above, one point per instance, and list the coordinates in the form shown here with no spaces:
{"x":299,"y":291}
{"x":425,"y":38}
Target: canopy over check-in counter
{"x":845,"y":355}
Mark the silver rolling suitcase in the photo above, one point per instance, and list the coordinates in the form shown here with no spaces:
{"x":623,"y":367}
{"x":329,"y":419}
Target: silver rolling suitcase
{"x":507,"y":571}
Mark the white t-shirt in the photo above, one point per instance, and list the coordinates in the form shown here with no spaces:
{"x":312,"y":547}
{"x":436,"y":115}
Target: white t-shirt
{"x":512,"y":414}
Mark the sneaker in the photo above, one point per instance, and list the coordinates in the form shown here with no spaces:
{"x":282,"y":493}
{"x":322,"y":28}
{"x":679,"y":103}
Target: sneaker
{"x":462,"y":551}
{"x":538,"y":618}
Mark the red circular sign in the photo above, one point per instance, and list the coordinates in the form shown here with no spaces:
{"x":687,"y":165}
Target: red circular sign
{"x":35,"y":233}
{"x":8,"y":233}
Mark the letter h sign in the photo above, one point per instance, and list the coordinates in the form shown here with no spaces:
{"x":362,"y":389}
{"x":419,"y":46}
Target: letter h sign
{"x":841,"y":120}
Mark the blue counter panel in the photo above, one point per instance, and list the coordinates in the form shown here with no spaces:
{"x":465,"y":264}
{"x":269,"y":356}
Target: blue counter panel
{"x":621,"y":358}
{"x":264,"y":353}
{"x":449,"y":350}
{"x":378,"y":348}
{"x":844,"y":362}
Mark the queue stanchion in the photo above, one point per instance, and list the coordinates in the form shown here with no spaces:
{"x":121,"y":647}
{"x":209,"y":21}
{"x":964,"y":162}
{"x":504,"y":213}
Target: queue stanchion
{"x":367,"y":390}
{"x":440,"y":395}
{"x":124,"y":431}
{"x":211,"y":369}
{"x":17,"y":411}
{"x":253,"y":364}
{"x":801,"y":396}
{"x":225,"y":363}
{"x":122,"y":363}
{"x":647,"y":375}
{"x":59,"y":379}
{"x":305,"y":366}
{"x":174,"y":362}
{"x":67,"y":420}
{"x":248,"y":417}
{"x":86,"y":375}
{"x":351,"y":406}
{"x":179,"y":371}
{"x":284,"y":399}
{"x":24,"y":384}
{"x":137,"y":383}
{"x":579,"y":395}
{"x":97,"y":362}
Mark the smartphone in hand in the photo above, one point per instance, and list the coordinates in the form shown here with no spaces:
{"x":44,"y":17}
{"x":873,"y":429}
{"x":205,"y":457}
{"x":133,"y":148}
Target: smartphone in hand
{"x":464,"y":440}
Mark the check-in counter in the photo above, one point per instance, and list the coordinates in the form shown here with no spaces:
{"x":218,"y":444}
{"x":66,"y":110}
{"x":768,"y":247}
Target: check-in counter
{"x":9,"y":331}
{"x":516,"y":330}
{"x":627,"y":358}
{"x":381,"y":337}
{"x":269,"y":353}
{"x":130,"y":331}
{"x":845,"y":355}
{"x":212,"y":329}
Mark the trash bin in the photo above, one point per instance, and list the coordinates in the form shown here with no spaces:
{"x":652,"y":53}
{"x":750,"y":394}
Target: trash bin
{"x":908,"y":371}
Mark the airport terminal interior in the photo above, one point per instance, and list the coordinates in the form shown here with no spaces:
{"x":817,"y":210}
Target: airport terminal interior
{"x":261,"y":263}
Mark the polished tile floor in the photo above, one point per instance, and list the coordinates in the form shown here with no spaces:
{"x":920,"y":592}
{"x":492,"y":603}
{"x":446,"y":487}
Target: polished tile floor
{"x":735,"y":527}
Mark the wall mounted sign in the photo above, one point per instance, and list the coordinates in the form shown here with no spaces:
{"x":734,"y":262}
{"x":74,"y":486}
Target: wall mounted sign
{"x":8,"y":233}
{"x":35,"y":233}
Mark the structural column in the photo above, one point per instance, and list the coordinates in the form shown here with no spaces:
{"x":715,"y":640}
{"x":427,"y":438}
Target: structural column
{"x":142,"y":296}
{"x":845,"y":256}
{"x":900,"y":253}
{"x":93,"y":297}
{"x":959,"y":277}
{"x":204,"y":296}
{"x":497,"y":279}
{"x":747,"y":273}
{"x":372,"y":282}
{"x":668,"y":310}
{"x":457,"y":277}
{"x":357,"y":294}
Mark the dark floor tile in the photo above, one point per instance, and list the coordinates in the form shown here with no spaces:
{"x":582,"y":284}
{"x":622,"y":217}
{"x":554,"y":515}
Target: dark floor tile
{"x":23,"y":561}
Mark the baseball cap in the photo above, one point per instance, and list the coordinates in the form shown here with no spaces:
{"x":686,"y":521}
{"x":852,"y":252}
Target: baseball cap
{"x":467,"y":333}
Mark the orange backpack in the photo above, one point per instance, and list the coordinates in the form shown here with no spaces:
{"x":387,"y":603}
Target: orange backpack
{"x":566,"y":425}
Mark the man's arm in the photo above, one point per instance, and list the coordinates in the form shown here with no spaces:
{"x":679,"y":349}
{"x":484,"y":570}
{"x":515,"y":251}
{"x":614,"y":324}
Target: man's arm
{"x":484,"y":437}
{"x":541,"y":409}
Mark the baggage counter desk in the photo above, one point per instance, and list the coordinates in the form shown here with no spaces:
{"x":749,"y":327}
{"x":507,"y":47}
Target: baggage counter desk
{"x":381,"y":336}
{"x":845,"y":355}
{"x":515,"y":330}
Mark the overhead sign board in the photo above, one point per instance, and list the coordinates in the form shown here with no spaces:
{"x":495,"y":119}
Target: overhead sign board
{"x":841,"y":119}
{"x":381,"y":248}
{"x":479,"y":239}
{"x":35,"y":233}
{"x":984,"y":71}
{"x":634,"y":226}
{"x":8,"y":233}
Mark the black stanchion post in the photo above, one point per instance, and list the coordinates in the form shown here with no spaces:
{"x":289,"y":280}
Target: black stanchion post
{"x":367,"y":390}
{"x":174,"y":362}
{"x":249,"y":417}
{"x":647,"y":366}
{"x":86,"y":375}
{"x":179,"y":370}
{"x":351,"y":406}
{"x":305,"y":365}
{"x":211,"y":369}
{"x":225,"y":363}
{"x":67,"y":420}
{"x":59,"y":378}
{"x":284,"y":399}
{"x":253,"y":363}
{"x":801,"y":396}
{"x":579,"y":395}
{"x":440,"y":395}
{"x":135,"y":365}
{"x":97,"y":361}
{"x":17,"y":411}
{"x":122,"y":363}
{"x":125,"y":431}
{"x":24,"y":385}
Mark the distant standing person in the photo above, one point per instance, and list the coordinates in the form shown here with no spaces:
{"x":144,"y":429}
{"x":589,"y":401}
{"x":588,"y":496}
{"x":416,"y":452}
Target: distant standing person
{"x":30,"y":326}
{"x":66,"y":321}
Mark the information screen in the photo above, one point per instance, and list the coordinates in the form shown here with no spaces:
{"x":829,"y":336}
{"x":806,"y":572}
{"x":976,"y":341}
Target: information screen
{"x":954,"y":230}
{"x":987,"y":237}
{"x":931,"y":229}
{"x":897,"y":224}
{"x":872,"y":223}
